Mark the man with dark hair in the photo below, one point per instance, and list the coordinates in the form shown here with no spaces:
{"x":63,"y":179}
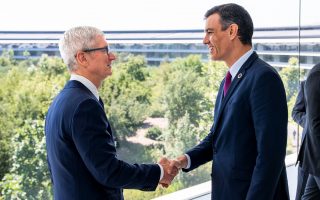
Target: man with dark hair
{"x":234,"y":15}
{"x":247,"y":141}
{"x":309,"y":154}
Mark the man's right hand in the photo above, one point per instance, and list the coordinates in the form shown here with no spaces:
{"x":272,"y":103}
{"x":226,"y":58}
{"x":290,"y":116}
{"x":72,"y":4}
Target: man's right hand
{"x":183,"y":161}
{"x":171,"y":169}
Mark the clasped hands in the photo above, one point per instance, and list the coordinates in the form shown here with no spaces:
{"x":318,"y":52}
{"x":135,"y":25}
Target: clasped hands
{"x":171,"y":169}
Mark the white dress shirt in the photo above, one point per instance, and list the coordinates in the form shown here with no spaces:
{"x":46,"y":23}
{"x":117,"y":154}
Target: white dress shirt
{"x":86,"y":82}
{"x":234,"y":69}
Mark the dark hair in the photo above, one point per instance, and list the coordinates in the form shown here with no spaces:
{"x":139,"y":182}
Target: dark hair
{"x":234,"y":14}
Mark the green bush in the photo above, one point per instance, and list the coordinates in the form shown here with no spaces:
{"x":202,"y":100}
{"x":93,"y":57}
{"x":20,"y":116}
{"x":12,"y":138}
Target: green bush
{"x":28,"y":177}
{"x":154,"y":133}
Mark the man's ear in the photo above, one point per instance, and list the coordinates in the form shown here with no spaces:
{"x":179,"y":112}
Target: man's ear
{"x":81,"y":59}
{"x":233,"y":32}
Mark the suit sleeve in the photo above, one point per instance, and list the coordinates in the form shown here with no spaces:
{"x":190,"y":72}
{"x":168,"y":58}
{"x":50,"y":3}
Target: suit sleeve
{"x":203,"y":152}
{"x":270,"y":117}
{"x":96,"y":148}
{"x":200,"y":154}
{"x":299,"y":108}
{"x":313,"y":102}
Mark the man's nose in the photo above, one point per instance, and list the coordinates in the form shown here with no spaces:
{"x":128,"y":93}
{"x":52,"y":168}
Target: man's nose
{"x":205,"y":39}
{"x":111,"y":56}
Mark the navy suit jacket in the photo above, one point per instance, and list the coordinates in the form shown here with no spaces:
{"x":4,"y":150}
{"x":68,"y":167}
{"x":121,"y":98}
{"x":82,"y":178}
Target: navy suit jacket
{"x":299,"y":115}
{"x":247,"y":142}
{"x":309,"y":154}
{"x":81,"y":153}
{"x":299,"y":108}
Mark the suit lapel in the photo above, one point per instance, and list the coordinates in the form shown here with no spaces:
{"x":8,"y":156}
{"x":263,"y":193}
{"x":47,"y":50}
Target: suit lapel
{"x":219,"y":100}
{"x":239,"y":77}
{"x":77,"y":84}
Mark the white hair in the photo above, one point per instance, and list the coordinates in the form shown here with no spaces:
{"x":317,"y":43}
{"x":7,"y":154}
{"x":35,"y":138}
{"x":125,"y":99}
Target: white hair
{"x":77,"y":39}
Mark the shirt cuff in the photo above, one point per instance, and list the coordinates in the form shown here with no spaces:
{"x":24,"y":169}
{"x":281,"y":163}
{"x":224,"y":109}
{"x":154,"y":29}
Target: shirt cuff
{"x":161,"y":172}
{"x":189,"y":161}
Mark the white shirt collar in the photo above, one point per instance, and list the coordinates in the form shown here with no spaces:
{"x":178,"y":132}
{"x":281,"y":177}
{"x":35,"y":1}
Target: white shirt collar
{"x":86,"y":83}
{"x":234,"y":69}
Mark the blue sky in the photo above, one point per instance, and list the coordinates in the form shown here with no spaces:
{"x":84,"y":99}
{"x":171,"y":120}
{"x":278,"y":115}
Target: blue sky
{"x":144,"y":14}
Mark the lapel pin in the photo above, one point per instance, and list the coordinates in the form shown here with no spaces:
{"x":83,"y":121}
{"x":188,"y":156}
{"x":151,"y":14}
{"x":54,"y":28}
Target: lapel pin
{"x":240,"y":75}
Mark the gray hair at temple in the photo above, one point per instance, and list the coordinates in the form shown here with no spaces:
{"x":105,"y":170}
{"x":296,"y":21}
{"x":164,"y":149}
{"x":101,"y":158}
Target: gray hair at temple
{"x":77,"y":39}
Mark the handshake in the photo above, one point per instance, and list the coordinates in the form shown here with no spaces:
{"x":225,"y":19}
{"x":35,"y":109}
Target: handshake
{"x":171,"y":169}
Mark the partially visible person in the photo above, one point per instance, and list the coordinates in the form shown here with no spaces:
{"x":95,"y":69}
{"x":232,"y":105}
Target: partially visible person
{"x":299,"y":116}
{"x":309,"y":155}
{"x":247,"y":141}
{"x":82,"y":157}
{"x":299,"y":108}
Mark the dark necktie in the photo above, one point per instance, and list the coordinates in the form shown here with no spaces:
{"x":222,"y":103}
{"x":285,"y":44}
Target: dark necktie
{"x":109,"y":130}
{"x":101,"y":102}
{"x":227,"y":83}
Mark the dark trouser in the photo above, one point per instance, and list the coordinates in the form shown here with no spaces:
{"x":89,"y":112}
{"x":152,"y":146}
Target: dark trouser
{"x":312,"y":191}
{"x":302,"y":181}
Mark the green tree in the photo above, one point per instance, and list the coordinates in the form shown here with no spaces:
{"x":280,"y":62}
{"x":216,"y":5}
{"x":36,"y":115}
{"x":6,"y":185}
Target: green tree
{"x":26,"y":54}
{"x":25,"y":94}
{"x":51,"y":66}
{"x":28,"y":177}
{"x":183,"y":94}
{"x":181,"y":137}
{"x":290,"y":77}
{"x":126,"y":97}
{"x":6,"y":58}
{"x":184,"y":89}
{"x":8,"y":119}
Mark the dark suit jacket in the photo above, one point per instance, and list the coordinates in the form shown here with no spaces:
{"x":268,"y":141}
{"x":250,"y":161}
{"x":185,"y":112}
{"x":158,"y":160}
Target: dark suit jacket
{"x":81,"y":153}
{"x":299,"y":116}
{"x":299,"y":108}
{"x":309,"y":154}
{"x":247,"y":142}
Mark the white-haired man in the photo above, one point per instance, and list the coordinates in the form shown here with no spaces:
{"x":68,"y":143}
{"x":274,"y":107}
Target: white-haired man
{"x":80,"y":147}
